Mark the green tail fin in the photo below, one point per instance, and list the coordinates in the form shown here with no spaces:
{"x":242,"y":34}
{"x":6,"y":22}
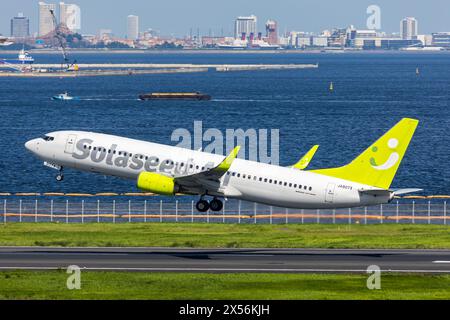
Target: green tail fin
{"x":378,"y":165}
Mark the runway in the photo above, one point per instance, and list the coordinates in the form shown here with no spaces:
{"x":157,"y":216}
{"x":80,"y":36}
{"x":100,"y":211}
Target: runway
{"x":225,"y":260}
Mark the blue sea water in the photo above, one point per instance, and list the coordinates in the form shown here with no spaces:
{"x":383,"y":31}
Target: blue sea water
{"x":372,"y":92}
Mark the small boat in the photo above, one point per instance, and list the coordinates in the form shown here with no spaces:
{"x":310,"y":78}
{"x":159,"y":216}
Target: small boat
{"x":63,"y":97}
{"x":23,"y":58}
{"x":175,"y":96}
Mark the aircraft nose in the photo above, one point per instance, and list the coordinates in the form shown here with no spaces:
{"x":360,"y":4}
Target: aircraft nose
{"x":31,"y":145}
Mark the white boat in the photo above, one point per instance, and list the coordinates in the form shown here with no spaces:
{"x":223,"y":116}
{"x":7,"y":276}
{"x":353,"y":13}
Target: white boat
{"x":64,"y":97}
{"x":23,"y":58}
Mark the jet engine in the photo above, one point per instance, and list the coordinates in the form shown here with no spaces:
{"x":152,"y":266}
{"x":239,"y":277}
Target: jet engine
{"x":157,"y":183}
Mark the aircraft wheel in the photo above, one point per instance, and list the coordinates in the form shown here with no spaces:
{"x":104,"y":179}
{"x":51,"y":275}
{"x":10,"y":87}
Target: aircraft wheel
{"x":202,"y":206}
{"x":216,"y":205}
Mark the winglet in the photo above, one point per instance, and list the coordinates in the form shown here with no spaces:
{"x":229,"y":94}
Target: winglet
{"x":225,"y":165}
{"x":304,"y":162}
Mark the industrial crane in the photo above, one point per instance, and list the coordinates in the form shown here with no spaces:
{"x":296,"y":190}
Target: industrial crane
{"x":61,"y":39}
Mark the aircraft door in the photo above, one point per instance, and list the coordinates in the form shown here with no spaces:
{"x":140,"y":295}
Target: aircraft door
{"x":329,"y":196}
{"x":70,"y":143}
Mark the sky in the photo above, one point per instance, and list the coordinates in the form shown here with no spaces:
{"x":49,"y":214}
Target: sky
{"x":178,"y":17}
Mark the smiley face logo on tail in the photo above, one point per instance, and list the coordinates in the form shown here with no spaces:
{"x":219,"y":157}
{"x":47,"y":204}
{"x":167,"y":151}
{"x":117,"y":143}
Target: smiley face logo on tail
{"x":391,"y":161}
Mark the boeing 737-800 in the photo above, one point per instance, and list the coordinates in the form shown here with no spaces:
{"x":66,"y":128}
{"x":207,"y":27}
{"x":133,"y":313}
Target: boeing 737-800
{"x":167,"y":170}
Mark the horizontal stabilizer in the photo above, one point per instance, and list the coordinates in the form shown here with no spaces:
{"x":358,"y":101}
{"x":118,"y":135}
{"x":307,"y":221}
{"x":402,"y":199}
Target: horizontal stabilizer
{"x":376,"y":192}
{"x":383,"y":192}
{"x":400,"y":192}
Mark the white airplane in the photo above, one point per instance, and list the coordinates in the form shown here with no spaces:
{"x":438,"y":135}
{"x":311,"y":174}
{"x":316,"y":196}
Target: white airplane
{"x":167,"y":170}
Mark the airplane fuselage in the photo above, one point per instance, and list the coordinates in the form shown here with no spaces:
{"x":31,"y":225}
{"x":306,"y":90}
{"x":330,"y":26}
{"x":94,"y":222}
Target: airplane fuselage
{"x":245,"y":180}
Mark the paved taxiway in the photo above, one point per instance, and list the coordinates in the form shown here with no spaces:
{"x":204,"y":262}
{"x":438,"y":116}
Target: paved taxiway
{"x":225,"y":260}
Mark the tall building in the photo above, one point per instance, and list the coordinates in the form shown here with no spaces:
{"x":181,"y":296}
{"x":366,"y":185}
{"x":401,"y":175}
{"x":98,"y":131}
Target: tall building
{"x":245,"y":25}
{"x":20,"y":26}
{"x":132,"y":27}
{"x":272,"y":32}
{"x":70,"y":15}
{"x":45,"y":18}
{"x":409,"y":28}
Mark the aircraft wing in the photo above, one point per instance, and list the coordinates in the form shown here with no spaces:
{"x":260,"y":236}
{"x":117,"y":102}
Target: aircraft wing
{"x":304,"y":162}
{"x":210,"y":178}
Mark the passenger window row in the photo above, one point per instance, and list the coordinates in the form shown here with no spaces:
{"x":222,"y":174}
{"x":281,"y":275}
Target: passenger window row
{"x":268,"y":180}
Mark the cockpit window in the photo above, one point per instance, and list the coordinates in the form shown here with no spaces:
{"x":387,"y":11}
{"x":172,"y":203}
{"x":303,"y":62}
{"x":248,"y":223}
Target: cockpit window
{"x":48,"y":138}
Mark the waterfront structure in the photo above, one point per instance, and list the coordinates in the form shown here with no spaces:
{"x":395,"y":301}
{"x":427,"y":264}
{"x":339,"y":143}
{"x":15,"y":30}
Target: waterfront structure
{"x":441,"y":39}
{"x":385,"y":43}
{"x":214,"y":41}
{"x":149,"y":34}
{"x":358,"y":38}
{"x":409,"y":28}
{"x":20,"y":26}
{"x":245,"y":26}
{"x":272,"y":32}
{"x":105,"y":33}
{"x":395,"y":44}
{"x":337,"y":38}
{"x":371,"y":40}
{"x":132,"y":27}
{"x":70,"y":15}
{"x":319,"y":41}
{"x":45,"y":18}
{"x":293,"y":38}
{"x":303,"y":41}
{"x":426,"y":39}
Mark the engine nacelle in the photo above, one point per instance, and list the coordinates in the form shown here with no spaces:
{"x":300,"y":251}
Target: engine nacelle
{"x":156,"y":183}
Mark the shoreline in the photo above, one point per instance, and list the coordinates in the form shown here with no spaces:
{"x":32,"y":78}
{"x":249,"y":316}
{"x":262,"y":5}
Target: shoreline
{"x":219,"y":51}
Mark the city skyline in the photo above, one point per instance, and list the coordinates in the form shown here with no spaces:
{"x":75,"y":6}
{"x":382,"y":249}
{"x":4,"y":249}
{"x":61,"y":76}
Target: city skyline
{"x":311,"y":16}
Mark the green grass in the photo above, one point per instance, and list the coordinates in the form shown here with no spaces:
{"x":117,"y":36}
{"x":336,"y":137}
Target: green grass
{"x":226,"y":235}
{"x":117,"y":285}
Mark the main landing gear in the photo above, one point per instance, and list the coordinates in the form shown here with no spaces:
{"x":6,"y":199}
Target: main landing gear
{"x":215,"y":205}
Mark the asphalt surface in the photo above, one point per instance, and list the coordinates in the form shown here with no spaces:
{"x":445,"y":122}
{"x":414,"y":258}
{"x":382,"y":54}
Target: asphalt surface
{"x":225,"y":260}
